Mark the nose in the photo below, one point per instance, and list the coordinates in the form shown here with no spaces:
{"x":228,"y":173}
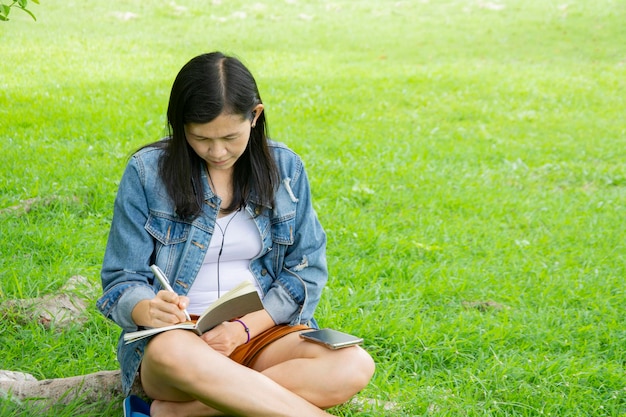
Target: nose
{"x":217,"y":149}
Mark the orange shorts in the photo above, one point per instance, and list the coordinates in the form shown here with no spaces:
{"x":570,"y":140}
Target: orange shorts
{"x":247,"y":353}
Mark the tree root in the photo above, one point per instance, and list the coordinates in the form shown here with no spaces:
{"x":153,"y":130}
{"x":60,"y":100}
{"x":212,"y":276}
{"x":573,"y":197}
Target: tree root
{"x":62,"y":309}
{"x":103,"y":386}
{"x":67,"y":307}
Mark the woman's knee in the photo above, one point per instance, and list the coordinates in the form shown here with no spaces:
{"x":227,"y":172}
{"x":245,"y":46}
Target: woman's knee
{"x":361,"y":367}
{"x":354,"y":369}
{"x":171,"y":362}
{"x":175,"y":354}
{"x":165,"y":350}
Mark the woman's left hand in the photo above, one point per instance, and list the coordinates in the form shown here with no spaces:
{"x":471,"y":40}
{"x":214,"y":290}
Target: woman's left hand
{"x":226,"y":337}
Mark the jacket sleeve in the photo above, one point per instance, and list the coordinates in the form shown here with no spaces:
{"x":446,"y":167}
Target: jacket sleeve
{"x":125,"y":269}
{"x":303,"y":242}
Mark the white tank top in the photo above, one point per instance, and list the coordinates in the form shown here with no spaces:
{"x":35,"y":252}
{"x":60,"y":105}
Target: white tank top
{"x":235,"y":242}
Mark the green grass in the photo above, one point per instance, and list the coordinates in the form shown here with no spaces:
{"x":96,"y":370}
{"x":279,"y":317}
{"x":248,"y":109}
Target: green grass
{"x":457,"y":154}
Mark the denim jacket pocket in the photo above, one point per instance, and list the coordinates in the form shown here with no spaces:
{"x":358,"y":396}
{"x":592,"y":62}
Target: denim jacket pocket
{"x":167,"y":230}
{"x":282,"y":231}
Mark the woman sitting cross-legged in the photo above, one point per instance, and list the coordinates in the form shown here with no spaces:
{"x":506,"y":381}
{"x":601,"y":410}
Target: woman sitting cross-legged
{"x":214,"y":204}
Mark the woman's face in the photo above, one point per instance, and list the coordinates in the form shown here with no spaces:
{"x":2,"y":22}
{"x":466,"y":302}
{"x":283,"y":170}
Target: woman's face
{"x":223,"y":140}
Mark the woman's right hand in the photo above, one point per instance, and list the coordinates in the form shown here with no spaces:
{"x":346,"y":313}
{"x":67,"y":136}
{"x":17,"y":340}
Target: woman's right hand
{"x":165,"y":309}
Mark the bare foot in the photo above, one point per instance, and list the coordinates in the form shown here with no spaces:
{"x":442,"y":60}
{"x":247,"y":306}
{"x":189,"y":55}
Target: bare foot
{"x":162,"y":409}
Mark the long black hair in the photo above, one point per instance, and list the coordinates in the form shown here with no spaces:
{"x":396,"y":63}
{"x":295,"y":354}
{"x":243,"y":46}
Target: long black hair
{"x":207,"y":86}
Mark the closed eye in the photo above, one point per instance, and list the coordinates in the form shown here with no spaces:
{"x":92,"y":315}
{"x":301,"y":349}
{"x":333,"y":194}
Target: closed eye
{"x":202,"y":138}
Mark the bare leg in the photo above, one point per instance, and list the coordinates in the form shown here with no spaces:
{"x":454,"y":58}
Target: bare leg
{"x":179,"y":367}
{"x":322,"y":376}
{"x":319,"y":375}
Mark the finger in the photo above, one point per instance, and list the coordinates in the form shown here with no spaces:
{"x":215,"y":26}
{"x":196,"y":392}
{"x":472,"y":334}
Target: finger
{"x":165,"y":317}
{"x":216,"y":344}
{"x":179,"y":301}
{"x":220,"y":339}
{"x":168,"y":296}
{"x":183,"y":302}
{"x":212,"y":335}
{"x":164,"y":308}
{"x":174,"y":303}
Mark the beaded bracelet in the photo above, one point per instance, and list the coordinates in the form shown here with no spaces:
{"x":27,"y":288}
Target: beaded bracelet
{"x":246,"y":328}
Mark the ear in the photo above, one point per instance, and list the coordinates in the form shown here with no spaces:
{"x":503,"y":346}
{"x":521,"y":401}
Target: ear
{"x":256,"y":112}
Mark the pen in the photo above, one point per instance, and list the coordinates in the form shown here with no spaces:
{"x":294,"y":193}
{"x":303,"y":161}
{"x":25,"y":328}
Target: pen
{"x":165,"y":283}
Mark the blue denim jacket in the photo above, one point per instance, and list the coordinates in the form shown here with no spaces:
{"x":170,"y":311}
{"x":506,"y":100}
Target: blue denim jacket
{"x":291,"y":268}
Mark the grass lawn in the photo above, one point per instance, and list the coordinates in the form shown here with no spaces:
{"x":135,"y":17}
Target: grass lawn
{"x":466,"y":158}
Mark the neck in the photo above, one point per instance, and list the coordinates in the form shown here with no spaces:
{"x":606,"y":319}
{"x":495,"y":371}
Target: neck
{"x":221,"y":183}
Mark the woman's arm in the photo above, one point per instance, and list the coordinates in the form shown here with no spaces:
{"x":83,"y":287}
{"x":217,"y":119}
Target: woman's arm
{"x":125,"y":270}
{"x":297,"y":288}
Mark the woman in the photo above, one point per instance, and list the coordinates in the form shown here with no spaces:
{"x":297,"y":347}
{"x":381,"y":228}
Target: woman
{"x":213,"y":204}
